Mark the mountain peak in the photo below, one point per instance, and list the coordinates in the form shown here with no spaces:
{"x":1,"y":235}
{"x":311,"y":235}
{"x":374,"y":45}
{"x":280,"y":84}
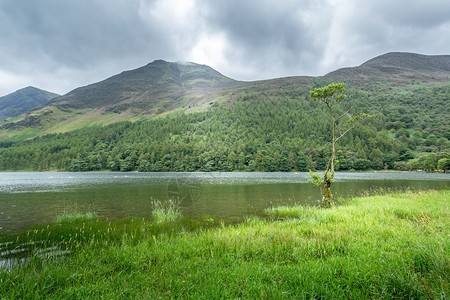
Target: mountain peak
{"x":26,"y":89}
{"x":22,"y":101}
{"x":29,"y":88}
{"x":149,"y":90}
{"x":158,"y":62}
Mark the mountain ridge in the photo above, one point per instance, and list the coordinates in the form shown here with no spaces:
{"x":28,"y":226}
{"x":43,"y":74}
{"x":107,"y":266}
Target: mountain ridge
{"x":160,"y":88}
{"x":411,"y":61}
{"x":397,"y":67}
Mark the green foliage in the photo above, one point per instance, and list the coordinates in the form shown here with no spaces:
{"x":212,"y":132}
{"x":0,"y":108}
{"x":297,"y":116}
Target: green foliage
{"x":333,"y":92}
{"x":444,"y":164}
{"x":315,"y":179}
{"x":402,"y":166}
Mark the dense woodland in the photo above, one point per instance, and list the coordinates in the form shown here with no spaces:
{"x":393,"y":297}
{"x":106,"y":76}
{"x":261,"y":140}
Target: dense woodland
{"x":289,"y":132}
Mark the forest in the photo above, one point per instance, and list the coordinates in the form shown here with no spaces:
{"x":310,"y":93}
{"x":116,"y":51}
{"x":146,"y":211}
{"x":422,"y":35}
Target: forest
{"x":409,"y":130}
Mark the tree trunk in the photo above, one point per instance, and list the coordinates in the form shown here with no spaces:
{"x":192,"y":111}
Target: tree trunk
{"x":327,"y":199}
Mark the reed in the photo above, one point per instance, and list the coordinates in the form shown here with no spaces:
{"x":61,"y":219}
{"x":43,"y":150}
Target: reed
{"x":77,"y":216}
{"x":166,"y":211}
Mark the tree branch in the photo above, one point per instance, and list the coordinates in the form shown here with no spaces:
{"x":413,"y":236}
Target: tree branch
{"x":342,"y":134}
{"x":345,"y":114}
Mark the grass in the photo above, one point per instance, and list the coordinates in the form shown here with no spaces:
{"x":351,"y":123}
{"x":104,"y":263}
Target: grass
{"x":392,"y":246}
{"x":74,"y":217}
{"x":165,"y":211}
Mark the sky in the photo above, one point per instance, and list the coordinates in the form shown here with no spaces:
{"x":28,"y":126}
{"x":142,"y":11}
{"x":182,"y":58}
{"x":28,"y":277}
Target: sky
{"x":59,"y":45}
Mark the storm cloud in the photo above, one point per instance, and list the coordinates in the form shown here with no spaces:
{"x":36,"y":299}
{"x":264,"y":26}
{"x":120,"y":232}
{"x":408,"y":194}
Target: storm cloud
{"x":59,"y":45}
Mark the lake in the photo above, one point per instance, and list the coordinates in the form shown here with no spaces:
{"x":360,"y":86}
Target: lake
{"x":31,"y":198}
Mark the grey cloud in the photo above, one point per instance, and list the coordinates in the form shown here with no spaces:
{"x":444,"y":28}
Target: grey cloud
{"x":413,"y":13}
{"x":267,"y":33}
{"x":364,"y":29}
{"x":77,"y":33}
{"x":62,"y":44}
{"x":89,"y":40}
{"x":394,"y":22}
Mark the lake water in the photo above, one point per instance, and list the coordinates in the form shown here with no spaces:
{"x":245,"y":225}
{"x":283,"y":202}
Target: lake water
{"x":30,"y":198}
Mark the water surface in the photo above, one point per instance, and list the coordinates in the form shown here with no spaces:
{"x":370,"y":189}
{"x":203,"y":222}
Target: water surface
{"x":30,"y":198}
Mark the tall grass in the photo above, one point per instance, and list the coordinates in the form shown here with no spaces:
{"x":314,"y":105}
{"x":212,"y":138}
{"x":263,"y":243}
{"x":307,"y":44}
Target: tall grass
{"x":392,"y":246}
{"x":74,"y":217}
{"x":165,"y":211}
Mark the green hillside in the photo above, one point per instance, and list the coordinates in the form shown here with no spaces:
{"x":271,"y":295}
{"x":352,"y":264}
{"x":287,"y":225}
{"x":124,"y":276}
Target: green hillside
{"x":155,"y":89}
{"x":255,"y":133}
{"x":207,"y":122}
{"x":22,"y":101}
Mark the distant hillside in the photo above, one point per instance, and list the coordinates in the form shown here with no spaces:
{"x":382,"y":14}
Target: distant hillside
{"x":149,"y":89}
{"x":162,"y":88}
{"x":22,"y":101}
{"x":411,"y":61}
{"x":157,"y":88}
{"x":397,"y":68}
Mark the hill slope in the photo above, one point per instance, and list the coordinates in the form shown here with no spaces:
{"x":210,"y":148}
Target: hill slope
{"x":163,"y":87}
{"x":143,"y":89}
{"x":397,"y":68}
{"x":149,"y":91}
{"x":22,"y":101}
{"x":255,"y":132}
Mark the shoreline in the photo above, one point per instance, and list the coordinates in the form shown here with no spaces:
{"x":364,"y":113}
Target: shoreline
{"x":125,"y":172}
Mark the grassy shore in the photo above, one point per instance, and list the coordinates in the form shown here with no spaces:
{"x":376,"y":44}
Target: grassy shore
{"x":378,"y":247}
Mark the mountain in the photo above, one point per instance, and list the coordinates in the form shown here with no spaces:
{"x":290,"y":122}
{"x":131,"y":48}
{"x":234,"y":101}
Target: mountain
{"x":22,"y":101}
{"x":189,"y":117}
{"x":162,"y":88}
{"x":410,"y":61}
{"x":149,"y":91}
{"x":397,"y":68}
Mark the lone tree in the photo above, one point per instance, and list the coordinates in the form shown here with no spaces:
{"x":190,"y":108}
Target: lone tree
{"x":332,"y":95}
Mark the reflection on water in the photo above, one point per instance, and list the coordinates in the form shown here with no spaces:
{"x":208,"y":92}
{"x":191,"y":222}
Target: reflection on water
{"x":28,"y":198}
{"x":10,"y":258}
